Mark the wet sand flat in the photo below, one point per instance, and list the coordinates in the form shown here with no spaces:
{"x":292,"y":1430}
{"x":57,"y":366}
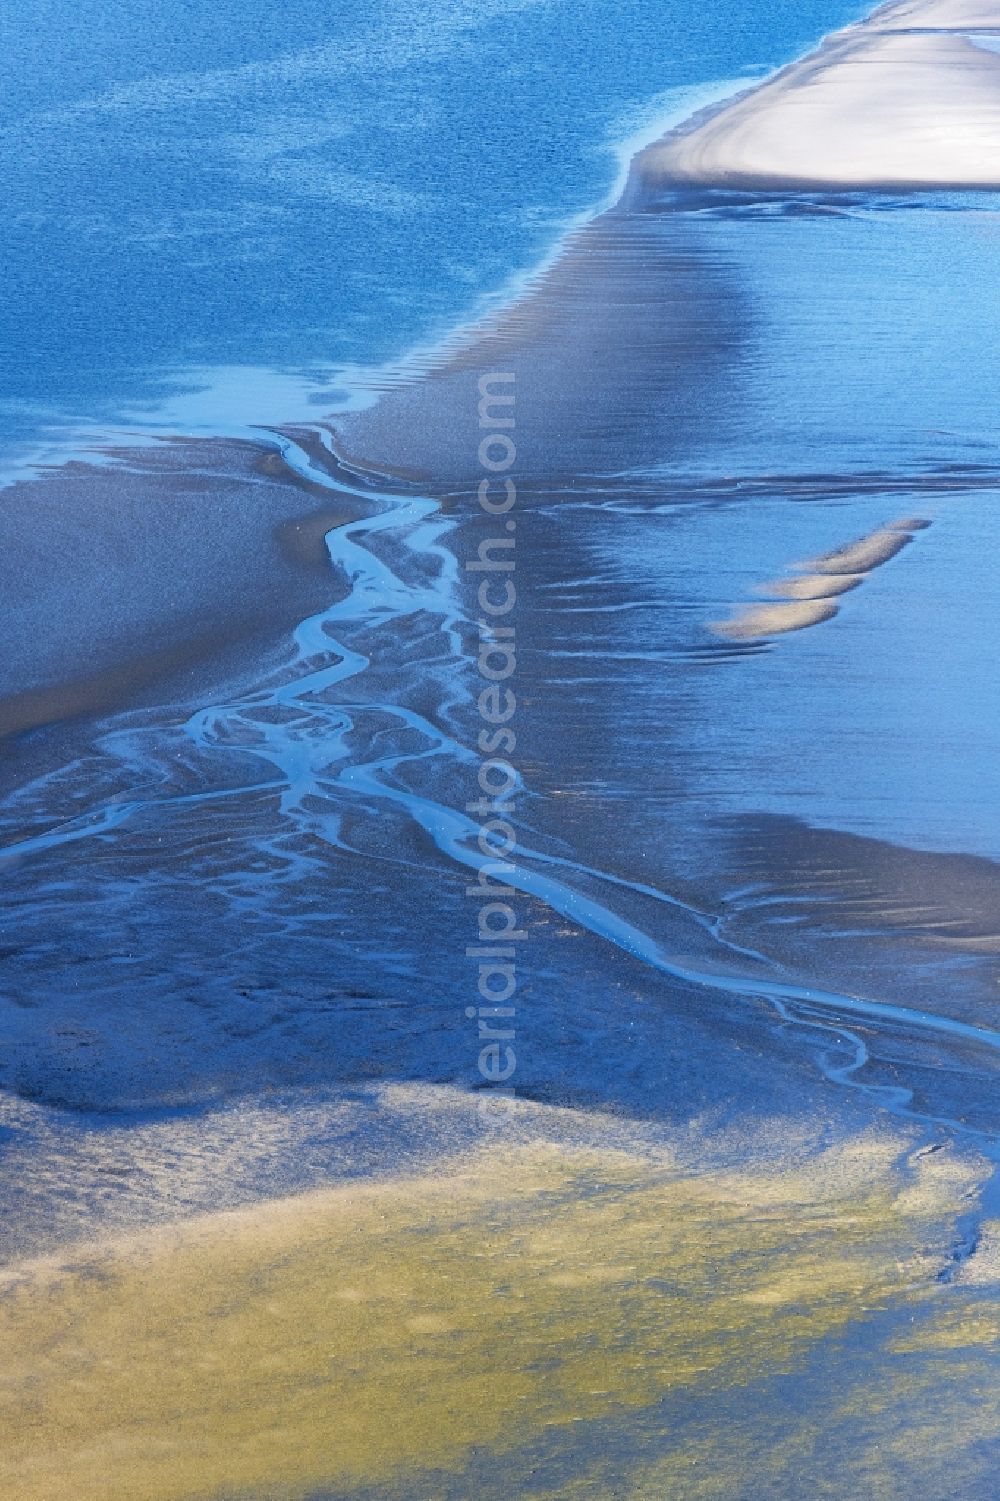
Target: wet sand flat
{"x":119,"y":574}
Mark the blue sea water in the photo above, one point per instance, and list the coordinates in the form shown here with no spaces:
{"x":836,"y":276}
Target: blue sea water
{"x":225,"y":214}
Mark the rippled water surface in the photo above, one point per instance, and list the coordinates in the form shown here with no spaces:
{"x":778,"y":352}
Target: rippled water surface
{"x":244,"y":209}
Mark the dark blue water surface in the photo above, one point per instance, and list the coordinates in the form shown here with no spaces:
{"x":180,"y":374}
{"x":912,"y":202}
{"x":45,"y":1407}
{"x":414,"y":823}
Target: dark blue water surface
{"x":202,"y":197}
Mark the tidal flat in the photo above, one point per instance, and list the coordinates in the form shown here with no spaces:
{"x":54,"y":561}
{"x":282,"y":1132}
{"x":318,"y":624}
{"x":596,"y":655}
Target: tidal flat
{"x":266,"y":1236}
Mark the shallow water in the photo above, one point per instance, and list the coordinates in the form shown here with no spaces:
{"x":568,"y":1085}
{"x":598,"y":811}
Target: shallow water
{"x":246,"y":212}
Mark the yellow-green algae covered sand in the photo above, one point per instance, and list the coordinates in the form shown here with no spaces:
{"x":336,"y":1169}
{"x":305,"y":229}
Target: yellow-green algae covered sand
{"x":363,"y":1334}
{"x":916,"y":1416}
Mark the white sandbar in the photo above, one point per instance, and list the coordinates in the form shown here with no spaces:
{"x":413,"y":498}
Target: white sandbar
{"x":908,"y":99}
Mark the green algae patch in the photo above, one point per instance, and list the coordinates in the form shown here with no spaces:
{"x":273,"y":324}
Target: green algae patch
{"x":362,"y":1334}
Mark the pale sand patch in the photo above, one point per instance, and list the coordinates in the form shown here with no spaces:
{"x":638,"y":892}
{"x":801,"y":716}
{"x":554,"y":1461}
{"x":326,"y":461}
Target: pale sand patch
{"x":877,"y":106}
{"x":812,"y":594}
{"x":910,"y":524}
{"x":363,"y":1334}
{"x":812,"y":586}
{"x":775,"y":620}
{"x":951,"y":15}
{"x":865,"y":554}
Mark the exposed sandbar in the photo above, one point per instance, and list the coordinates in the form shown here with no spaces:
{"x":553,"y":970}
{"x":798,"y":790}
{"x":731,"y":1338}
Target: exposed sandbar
{"x":776,"y":620}
{"x":813,"y":586}
{"x":864,"y":555}
{"x":809,"y":599}
{"x":903,"y":100}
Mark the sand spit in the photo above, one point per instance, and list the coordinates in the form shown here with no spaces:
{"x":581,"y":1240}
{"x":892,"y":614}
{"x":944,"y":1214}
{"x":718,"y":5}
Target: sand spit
{"x":904,"y":100}
{"x":869,"y":552}
{"x":807,"y":600}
